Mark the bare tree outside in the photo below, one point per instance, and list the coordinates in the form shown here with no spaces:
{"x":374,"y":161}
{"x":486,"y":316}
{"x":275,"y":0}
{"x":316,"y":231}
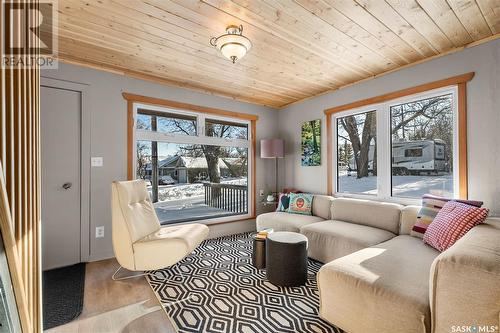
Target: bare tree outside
{"x":422,"y":145}
{"x":143,"y":156}
{"x":213,"y":154}
{"x":193,"y":180}
{"x":427,"y":119}
{"x":361,"y":130}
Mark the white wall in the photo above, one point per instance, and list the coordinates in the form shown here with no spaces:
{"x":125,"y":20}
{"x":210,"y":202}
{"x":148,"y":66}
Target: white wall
{"x":109,"y":139}
{"x":483,"y":106}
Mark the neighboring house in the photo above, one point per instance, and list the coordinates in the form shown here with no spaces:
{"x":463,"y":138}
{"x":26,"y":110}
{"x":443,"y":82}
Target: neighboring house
{"x":193,"y":169}
{"x":165,"y":167}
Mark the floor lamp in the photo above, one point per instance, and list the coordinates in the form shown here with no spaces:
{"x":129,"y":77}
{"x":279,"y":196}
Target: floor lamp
{"x":273,"y":148}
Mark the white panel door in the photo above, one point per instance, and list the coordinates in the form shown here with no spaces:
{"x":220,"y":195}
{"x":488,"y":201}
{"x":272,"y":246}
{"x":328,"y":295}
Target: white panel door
{"x":60,"y":140}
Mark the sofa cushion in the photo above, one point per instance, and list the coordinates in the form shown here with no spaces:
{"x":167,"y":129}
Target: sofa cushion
{"x":465,"y":280}
{"x":321,"y":206}
{"x":386,"y":285}
{"x":281,"y":221}
{"x":329,"y":240}
{"x":380,"y":215}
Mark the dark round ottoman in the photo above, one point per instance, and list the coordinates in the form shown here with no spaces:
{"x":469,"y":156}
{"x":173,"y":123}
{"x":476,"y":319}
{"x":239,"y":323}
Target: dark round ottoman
{"x":286,"y":259}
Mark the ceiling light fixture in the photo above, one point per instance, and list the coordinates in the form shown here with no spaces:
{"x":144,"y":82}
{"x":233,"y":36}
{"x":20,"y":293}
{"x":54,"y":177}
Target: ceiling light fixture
{"x":233,"y":45}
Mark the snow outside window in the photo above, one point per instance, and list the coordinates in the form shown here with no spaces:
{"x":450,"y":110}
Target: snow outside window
{"x":195,"y":168}
{"x":401,"y":149}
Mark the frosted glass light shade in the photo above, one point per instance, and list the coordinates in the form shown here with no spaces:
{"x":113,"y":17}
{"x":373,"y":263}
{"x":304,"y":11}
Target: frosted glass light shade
{"x":272,"y":148}
{"x":232,"y":45}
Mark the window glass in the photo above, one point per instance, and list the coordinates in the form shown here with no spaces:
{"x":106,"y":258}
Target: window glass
{"x":422,"y":147}
{"x":166,"y":122}
{"x":357,"y":153}
{"x":224,"y":129}
{"x":415,"y":152}
{"x":143,"y":122}
{"x":189,"y":182}
{"x":190,"y":174}
{"x":183,"y":126}
{"x":143,"y":160}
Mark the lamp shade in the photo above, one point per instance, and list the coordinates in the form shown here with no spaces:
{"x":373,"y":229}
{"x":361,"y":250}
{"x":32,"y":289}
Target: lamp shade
{"x":233,"y":45}
{"x":272,"y":148}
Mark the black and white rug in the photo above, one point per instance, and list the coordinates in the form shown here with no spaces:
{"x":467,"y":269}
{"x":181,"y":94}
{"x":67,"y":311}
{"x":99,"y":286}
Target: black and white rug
{"x":223,"y":292}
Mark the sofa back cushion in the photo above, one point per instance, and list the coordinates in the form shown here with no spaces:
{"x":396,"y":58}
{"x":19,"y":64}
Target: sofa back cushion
{"x":321,"y":206}
{"x":380,"y":215}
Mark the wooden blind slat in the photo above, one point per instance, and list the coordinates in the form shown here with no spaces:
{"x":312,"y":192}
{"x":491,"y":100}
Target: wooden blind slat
{"x":20,"y":158}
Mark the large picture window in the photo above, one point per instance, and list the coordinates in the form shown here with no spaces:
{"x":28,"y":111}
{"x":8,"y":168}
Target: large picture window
{"x":197,"y":166}
{"x":422,"y":147}
{"x":403,"y":148}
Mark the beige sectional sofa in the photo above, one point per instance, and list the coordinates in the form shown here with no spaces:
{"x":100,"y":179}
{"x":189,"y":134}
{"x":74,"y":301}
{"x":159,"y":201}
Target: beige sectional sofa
{"x":378,"y":278}
{"x":321,"y":210}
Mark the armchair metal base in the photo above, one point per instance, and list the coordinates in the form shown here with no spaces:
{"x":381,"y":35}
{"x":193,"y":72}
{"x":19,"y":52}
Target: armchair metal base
{"x":126,"y":277}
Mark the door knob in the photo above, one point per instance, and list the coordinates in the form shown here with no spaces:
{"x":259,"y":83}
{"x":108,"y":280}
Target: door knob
{"x":67,"y":186}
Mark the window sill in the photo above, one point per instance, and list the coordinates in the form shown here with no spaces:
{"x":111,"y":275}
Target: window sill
{"x":401,"y":201}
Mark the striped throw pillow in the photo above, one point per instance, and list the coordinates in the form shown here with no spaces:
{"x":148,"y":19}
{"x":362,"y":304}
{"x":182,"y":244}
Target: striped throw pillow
{"x":453,"y":221}
{"x":431,"y":205}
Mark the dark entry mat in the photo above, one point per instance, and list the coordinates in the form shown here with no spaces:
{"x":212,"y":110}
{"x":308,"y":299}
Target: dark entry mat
{"x":63,"y":290}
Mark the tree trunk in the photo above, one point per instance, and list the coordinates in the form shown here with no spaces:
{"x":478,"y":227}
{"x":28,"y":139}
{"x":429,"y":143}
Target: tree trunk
{"x":360,"y":145}
{"x":367,"y":136}
{"x":363,"y":161}
{"x":212,"y":154}
{"x":212,"y":157}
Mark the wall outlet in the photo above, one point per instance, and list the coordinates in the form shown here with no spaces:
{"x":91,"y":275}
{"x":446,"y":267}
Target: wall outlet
{"x":96,"y":161}
{"x":261,"y":193}
{"x":99,"y":232}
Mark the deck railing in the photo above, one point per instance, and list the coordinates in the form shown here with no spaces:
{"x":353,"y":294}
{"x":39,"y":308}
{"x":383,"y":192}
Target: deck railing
{"x":232,"y":198}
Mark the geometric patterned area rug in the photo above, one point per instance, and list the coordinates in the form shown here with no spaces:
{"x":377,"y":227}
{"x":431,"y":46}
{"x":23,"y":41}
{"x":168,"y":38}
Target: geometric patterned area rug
{"x":216,"y":289}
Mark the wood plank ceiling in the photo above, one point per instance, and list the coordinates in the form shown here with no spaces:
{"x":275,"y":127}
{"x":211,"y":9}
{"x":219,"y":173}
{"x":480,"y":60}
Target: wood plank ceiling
{"x":300,"y":48}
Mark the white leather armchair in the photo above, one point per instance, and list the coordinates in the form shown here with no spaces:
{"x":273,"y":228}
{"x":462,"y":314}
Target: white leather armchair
{"x":140,"y":243}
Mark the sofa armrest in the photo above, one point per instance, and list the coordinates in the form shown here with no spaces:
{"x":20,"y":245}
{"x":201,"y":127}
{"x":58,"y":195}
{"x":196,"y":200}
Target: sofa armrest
{"x":465,"y":281}
{"x":408,"y":219}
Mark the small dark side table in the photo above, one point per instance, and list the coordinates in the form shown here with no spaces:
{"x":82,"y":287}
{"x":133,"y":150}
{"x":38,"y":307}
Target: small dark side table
{"x":286,"y":259}
{"x":258,"y":251}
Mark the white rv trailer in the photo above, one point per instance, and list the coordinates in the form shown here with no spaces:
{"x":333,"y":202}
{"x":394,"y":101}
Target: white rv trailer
{"x":413,"y":157}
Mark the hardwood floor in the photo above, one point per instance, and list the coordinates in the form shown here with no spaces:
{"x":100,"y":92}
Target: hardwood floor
{"x":128,"y":306}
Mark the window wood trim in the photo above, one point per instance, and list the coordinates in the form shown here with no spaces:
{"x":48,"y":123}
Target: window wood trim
{"x":186,"y":106}
{"x":459,"y":81}
{"x":133,"y":98}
